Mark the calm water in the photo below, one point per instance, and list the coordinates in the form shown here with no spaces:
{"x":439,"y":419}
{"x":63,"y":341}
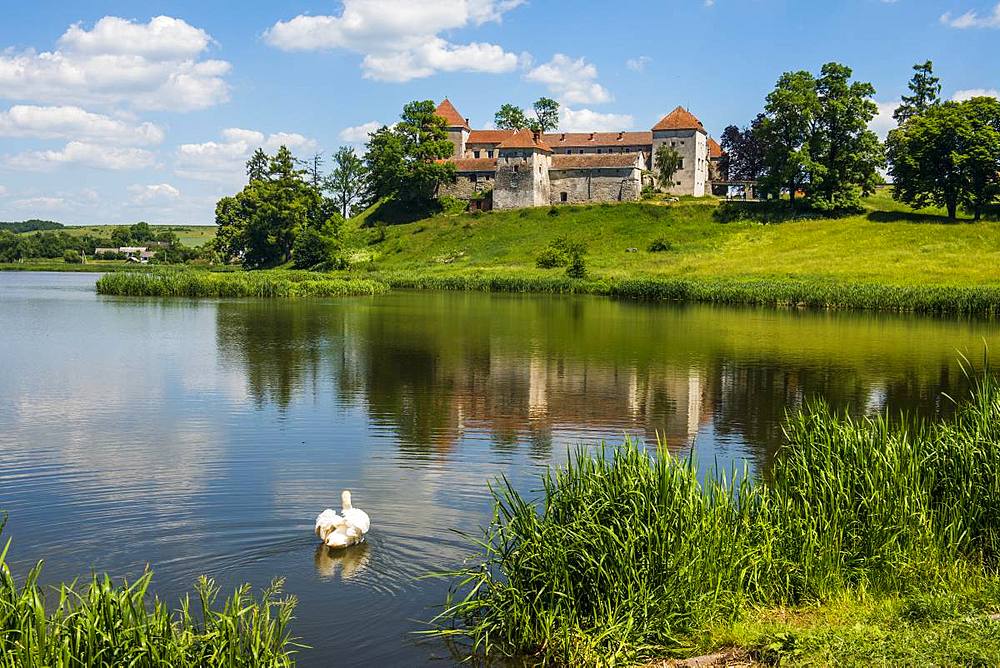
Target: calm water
{"x":204,"y":437}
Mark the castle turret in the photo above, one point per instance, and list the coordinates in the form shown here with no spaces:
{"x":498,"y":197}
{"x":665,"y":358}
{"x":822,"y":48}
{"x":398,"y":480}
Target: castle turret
{"x":683,"y":132}
{"x":522,"y":177}
{"x":458,"y":127}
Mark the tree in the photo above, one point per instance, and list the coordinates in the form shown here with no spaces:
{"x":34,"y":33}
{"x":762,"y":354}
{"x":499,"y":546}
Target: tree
{"x":982,"y":154}
{"x":348,"y":182}
{"x":790,"y":110}
{"x":510,"y":117}
{"x":257,"y":166}
{"x":408,"y":161}
{"x":926,"y":89}
{"x":313,"y":169}
{"x":546,"y":115}
{"x":745,"y":152}
{"x":668,"y":162}
{"x":314,"y":248}
{"x":259,"y":224}
{"x":844,"y":155}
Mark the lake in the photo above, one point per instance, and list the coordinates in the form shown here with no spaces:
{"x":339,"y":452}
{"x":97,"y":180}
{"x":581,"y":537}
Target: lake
{"x":205,"y":436}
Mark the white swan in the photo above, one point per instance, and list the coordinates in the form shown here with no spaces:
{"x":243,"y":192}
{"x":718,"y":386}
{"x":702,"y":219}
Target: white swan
{"x":343,"y":530}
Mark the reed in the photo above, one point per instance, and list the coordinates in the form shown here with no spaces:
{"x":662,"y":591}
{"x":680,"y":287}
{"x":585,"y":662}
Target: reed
{"x":627,"y":552}
{"x":103,"y":625}
{"x":261,"y":284}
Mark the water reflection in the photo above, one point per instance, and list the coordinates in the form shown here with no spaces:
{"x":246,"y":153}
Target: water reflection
{"x":533,"y":371}
{"x":348,"y":562}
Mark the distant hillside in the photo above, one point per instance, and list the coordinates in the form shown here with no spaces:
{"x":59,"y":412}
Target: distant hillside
{"x":31,"y":226}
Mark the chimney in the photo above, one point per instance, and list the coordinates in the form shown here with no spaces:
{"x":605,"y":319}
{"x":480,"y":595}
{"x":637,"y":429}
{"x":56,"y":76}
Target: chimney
{"x":621,"y":135}
{"x":591,"y":137}
{"x":536,"y":136}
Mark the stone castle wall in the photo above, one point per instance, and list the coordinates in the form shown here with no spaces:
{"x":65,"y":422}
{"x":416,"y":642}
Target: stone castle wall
{"x":466,"y":186}
{"x":605,"y":185}
{"x":521,"y":181}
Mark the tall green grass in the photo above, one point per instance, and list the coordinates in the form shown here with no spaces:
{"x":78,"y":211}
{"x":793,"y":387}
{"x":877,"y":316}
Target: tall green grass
{"x":783,"y":292}
{"x":626,"y":552}
{"x":265,"y":284}
{"x":104,"y":625}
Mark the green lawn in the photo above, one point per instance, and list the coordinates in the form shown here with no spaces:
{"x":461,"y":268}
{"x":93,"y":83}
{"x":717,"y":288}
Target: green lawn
{"x":889,"y":244}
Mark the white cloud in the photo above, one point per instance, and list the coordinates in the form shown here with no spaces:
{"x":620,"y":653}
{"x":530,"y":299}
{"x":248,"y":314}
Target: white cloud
{"x":968,"y":94}
{"x":585,"y":120}
{"x":973,"y":19}
{"x":225,"y":161}
{"x":41,"y":203}
{"x":3,"y":191}
{"x":571,"y":81}
{"x":82,"y":153}
{"x":883,"y":121}
{"x":153,"y":66}
{"x":638,"y":64}
{"x":159,"y":192}
{"x":74,"y":123}
{"x":358,"y":134}
{"x":400,"y":39}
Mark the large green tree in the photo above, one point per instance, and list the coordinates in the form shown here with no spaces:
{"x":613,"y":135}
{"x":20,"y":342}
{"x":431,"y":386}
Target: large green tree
{"x":513,"y":117}
{"x":844,"y":155}
{"x":949,"y":156}
{"x":348,"y":182}
{"x":790,"y":113}
{"x":510,"y":117}
{"x":408,"y":160}
{"x":744,"y":151}
{"x":546,"y":114}
{"x":259,"y":225}
{"x":925,"y":92}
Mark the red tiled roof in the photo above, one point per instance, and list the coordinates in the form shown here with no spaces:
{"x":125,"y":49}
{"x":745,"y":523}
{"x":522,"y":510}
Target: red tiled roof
{"x":449,"y":113}
{"x":595,"y":161}
{"x":583,"y":139}
{"x":473,"y":164}
{"x":489,"y":136}
{"x":714,"y":150}
{"x":525,"y":139}
{"x":679,"y":119}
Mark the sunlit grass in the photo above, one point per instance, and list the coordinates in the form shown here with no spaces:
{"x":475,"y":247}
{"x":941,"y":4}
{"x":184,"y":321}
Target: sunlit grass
{"x":631,"y":554}
{"x":263,"y":284}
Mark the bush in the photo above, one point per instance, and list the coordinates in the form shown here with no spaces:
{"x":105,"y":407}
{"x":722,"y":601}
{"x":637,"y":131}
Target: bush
{"x":72,"y":257}
{"x":660,"y":245}
{"x":312,"y":248}
{"x":577,"y":268}
{"x":551,"y":257}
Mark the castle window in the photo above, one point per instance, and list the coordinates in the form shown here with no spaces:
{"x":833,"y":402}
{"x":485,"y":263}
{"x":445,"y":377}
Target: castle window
{"x":517,"y":168}
{"x":475,"y":154}
{"x":564,"y":196}
{"x":681,"y":164}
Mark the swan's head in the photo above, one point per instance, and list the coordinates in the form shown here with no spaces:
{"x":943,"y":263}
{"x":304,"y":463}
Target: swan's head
{"x":345,"y":499}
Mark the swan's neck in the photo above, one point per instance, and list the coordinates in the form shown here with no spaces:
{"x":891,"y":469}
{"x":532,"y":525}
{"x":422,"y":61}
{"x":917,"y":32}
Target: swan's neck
{"x":345,"y":499}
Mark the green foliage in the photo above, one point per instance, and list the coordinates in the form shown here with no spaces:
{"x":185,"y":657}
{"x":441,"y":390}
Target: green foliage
{"x":261,"y":284}
{"x":666,"y":163}
{"x":72,"y":257}
{"x":628,"y":551}
{"x":512,"y":117}
{"x":926,"y":93}
{"x":32,"y":225}
{"x":313,"y":248}
{"x":258,"y":225}
{"x":348,"y":182}
{"x":577,"y":268}
{"x":745,"y":151}
{"x":949,"y":156}
{"x":104,"y":625}
{"x":546,"y":115}
{"x":790,"y":111}
{"x":550,"y":258}
{"x":660,"y":245}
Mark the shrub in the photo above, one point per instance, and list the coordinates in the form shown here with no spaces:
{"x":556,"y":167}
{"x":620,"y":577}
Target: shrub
{"x":312,"y":248}
{"x":551,"y":257}
{"x":577,"y":268}
{"x":553,"y":211}
{"x":660,"y":245}
{"x":72,"y":257}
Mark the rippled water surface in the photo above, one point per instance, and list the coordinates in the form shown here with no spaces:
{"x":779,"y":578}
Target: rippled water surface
{"x":204,"y":437}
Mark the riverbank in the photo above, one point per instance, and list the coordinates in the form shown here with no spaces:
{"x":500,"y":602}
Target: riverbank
{"x":260,"y":284}
{"x":870,"y":540}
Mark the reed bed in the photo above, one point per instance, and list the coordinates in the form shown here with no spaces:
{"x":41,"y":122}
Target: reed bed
{"x":107,"y":625}
{"x":627,"y":551}
{"x":261,"y":284}
{"x":780,"y":292}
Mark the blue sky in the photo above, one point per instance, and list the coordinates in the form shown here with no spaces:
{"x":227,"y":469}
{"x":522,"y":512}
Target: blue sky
{"x":112,"y":112}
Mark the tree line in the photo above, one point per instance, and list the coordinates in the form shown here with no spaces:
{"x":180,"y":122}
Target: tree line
{"x":812,"y":138}
{"x":46,"y":244}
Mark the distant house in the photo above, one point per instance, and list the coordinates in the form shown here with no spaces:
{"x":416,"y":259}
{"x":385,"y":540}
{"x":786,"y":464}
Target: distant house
{"x":140,"y":254}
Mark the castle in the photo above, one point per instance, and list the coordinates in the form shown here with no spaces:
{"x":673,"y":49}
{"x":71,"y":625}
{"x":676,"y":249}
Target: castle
{"x":524,"y":168}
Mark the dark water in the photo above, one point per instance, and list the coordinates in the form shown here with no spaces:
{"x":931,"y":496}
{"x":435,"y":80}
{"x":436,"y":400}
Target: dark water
{"x":204,"y":437}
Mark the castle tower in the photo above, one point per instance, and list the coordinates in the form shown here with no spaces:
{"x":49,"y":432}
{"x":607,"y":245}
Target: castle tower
{"x":522,"y":177}
{"x":683,"y":132}
{"x":458,"y":126}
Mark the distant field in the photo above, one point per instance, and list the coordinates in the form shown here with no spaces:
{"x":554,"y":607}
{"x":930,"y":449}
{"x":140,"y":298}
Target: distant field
{"x":190,"y":235}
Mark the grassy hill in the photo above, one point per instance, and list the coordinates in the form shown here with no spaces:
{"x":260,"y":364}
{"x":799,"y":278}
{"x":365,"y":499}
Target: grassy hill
{"x":190,"y":235}
{"x":889,"y":244}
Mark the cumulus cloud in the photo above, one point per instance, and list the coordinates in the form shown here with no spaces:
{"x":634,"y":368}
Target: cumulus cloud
{"x":400,"y":39}
{"x":973,"y":19}
{"x":358,"y":134}
{"x":84,"y":154}
{"x":570,"y":81}
{"x":158,"y":192}
{"x":225,"y":161}
{"x":68,"y":122}
{"x":585,"y":120}
{"x":41,"y":203}
{"x":883,"y":121}
{"x":968,"y":94}
{"x":150,"y":66}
